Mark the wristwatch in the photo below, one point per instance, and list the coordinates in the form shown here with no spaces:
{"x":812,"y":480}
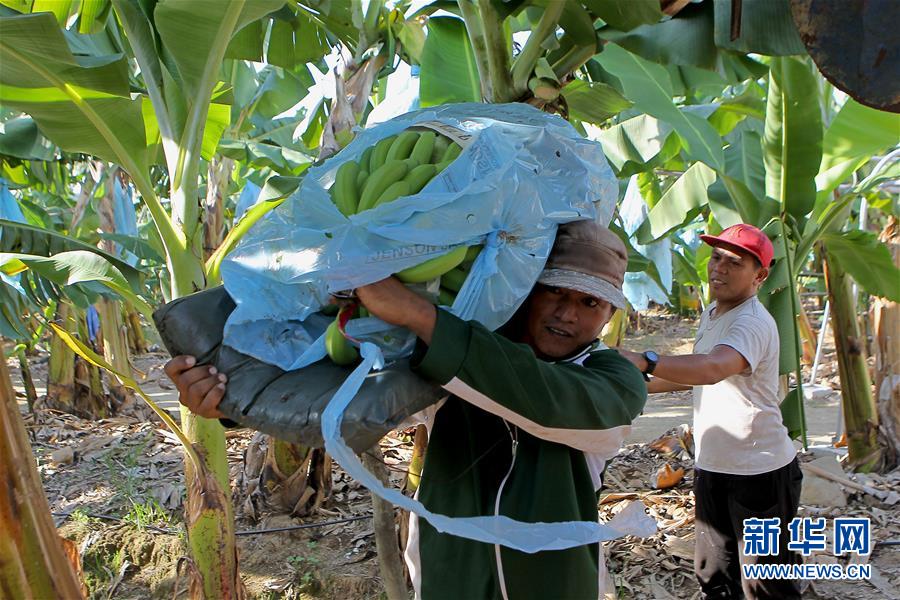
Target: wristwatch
{"x":652,"y":358}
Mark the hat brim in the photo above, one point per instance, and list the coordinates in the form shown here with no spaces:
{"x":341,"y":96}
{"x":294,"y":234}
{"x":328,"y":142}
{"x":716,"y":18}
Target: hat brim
{"x":714,"y":241}
{"x":587,"y":284}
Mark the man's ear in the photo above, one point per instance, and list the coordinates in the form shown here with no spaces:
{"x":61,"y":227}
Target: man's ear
{"x":762,"y":275}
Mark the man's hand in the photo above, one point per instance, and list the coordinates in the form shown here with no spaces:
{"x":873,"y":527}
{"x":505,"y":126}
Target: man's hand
{"x":394,"y":303}
{"x":200,"y":388}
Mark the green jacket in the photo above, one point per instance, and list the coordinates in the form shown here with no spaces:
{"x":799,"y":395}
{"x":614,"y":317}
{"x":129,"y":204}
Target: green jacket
{"x":540,"y":431}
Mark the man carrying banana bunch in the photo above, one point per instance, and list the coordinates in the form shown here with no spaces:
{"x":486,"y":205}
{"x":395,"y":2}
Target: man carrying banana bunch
{"x":534,"y":412}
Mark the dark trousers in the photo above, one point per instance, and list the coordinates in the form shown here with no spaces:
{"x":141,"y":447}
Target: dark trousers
{"x":723,"y":501}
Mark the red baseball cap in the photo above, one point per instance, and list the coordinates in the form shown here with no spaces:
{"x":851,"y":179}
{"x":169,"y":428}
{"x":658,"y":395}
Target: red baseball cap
{"x":745,"y":237}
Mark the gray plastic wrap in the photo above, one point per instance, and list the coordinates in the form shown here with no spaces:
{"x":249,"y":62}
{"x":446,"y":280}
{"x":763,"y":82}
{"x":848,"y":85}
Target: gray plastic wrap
{"x":289,"y":404}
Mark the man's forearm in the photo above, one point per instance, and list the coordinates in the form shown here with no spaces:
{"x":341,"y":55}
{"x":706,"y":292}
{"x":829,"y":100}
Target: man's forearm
{"x":658,"y":385}
{"x":691,"y":369}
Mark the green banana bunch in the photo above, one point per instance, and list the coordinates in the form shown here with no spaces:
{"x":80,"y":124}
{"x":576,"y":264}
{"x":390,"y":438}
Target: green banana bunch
{"x":396,"y":166}
{"x":339,"y":349}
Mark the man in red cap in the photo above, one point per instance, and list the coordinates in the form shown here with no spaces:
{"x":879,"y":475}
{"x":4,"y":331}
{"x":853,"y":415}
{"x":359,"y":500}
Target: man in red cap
{"x":745,"y":463}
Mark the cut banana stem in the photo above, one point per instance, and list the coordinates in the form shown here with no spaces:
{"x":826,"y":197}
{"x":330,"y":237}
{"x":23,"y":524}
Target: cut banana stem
{"x":338,"y":348}
{"x":434,"y":267}
{"x":379,"y":181}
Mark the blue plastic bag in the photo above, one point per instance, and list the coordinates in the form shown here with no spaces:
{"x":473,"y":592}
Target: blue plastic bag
{"x":522,"y":173}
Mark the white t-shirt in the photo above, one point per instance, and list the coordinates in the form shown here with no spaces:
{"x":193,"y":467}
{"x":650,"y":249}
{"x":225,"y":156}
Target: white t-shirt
{"x":737,"y":422}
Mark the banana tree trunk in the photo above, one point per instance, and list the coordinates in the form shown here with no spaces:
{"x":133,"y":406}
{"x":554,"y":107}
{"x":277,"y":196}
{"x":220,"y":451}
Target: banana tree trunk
{"x":417,"y":460}
{"x":860,"y":416}
{"x":90,"y":397}
{"x":137,"y":342}
{"x":219,"y":175}
{"x":209,"y":513}
{"x":32,"y":561}
{"x":61,"y":365}
{"x":27,"y":379}
{"x":614,"y":331}
{"x":389,"y":562}
{"x":115,"y":346}
{"x":886,"y":323}
{"x":112,"y":325}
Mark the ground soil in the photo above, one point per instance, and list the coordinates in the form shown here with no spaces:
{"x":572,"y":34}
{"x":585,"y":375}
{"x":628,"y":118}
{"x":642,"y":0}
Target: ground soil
{"x":115,"y":488}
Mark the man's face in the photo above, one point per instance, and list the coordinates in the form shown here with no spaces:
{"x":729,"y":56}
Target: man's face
{"x":734,"y":275}
{"x":559,"y":321}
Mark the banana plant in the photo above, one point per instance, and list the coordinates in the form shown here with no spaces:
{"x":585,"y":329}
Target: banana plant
{"x":85,"y":104}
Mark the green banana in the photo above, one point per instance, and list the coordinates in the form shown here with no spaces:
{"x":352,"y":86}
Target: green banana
{"x":394,"y":191}
{"x":418,"y":177}
{"x":379,"y":153}
{"x":454,"y":279}
{"x":472,"y":253}
{"x":403,"y":145}
{"x":423,"y":148}
{"x":442,"y":165}
{"x":379,"y":181}
{"x":365,"y":158}
{"x":453,"y":150}
{"x":341,"y":351}
{"x":344,"y":192}
{"x":434,"y":267}
{"x":361,"y":178}
{"x":446,"y":297}
{"x":441,"y":143}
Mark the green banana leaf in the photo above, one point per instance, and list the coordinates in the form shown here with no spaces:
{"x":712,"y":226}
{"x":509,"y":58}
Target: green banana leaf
{"x":449,"y":73}
{"x":867,"y":260}
{"x":678,"y":205}
{"x":633,"y":143}
{"x":855,"y":134}
{"x":593,"y":102}
{"x":775,"y":295}
{"x":82,"y":104}
{"x":744,"y":162}
{"x":625,"y":16}
{"x":649,"y":87}
{"x":22,"y":238}
{"x":73,"y":267}
{"x":686,"y":39}
{"x":793,"y":137}
{"x":766,"y":28}
{"x":792,"y":413}
{"x":193,"y":31}
{"x":20,"y":137}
